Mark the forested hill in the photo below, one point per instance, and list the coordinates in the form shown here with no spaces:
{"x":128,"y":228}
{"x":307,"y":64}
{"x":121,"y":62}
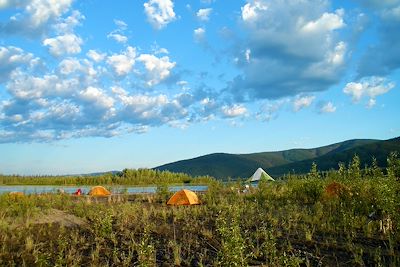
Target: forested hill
{"x":278,"y":163}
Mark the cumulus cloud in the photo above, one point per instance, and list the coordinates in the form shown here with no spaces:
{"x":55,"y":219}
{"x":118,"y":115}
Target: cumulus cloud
{"x":67,"y":25}
{"x":123,"y":63}
{"x":234,"y":111}
{"x":159,"y":13}
{"x":199,"y":35}
{"x":23,"y":86}
{"x":269,"y":111}
{"x":251,"y":10}
{"x":370,"y":87}
{"x":64,"y":44}
{"x":327,"y":107}
{"x":95,"y":56}
{"x":118,"y":34}
{"x":13,"y":57}
{"x":302,"y":102}
{"x":97,"y":98}
{"x":158,"y":69}
{"x":294,"y":49}
{"x":36,"y":17}
{"x":203,"y":14}
{"x":118,"y":37}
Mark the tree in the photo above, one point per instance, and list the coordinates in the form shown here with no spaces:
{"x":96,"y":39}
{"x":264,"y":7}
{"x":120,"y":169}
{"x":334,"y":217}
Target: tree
{"x":376,"y":171}
{"x":393,"y":165}
{"x":354,"y":167}
{"x":314,"y":171}
{"x":342,"y":170}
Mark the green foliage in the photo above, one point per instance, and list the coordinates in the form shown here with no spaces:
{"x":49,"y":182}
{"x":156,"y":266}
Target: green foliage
{"x":354,"y":167}
{"x":232,"y":251}
{"x":146,"y":252}
{"x":376,"y":172}
{"x":126,"y":177}
{"x":314,"y":174}
{"x":393,"y":166}
{"x":307,"y":191}
{"x":162,"y":193}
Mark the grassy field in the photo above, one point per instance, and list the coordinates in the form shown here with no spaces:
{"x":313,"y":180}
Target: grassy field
{"x":349,"y":217}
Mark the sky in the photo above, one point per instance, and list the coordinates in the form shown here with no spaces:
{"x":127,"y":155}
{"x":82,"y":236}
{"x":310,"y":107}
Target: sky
{"x":90,"y":86}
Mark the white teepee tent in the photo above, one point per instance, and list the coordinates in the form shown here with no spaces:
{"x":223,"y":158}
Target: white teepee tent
{"x":260,"y":174}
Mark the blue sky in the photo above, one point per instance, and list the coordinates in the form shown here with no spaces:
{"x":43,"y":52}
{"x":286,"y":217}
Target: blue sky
{"x":89,"y":86}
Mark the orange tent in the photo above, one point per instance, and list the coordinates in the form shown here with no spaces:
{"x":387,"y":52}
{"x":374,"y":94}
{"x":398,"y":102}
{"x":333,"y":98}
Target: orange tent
{"x":184,"y":197}
{"x":99,"y":191}
{"x":18,"y":194}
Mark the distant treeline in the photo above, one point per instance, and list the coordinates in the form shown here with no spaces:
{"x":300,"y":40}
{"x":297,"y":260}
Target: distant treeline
{"x":125,"y":177}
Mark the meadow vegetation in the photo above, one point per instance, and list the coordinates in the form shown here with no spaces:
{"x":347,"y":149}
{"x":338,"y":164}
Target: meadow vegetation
{"x":125,"y":177}
{"x":348,"y":217}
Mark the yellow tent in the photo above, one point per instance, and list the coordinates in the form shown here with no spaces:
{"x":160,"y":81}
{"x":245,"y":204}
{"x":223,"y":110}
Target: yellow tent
{"x":184,"y":197}
{"x":99,"y":191}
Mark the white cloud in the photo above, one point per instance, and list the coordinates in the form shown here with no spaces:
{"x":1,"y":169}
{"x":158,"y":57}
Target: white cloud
{"x":97,"y":97}
{"x":270,"y":110}
{"x":296,"y":39}
{"x":42,"y":10}
{"x":123,"y":63}
{"x":96,"y":56}
{"x":37,"y":15}
{"x":204,"y":14}
{"x":159,"y":12}
{"x":327,"y":22}
{"x":247,"y":54}
{"x":69,"y":65}
{"x":158,"y":69}
{"x":64,"y":44}
{"x":68,"y":24}
{"x":199,"y":34}
{"x":27,"y":87}
{"x":234,"y":111}
{"x":302,"y":102}
{"x":118,"y":34}
{"x":13,"y":57}
{"x":370,"y":87}
{"x":371,"y":103}
{"x":118,"y":37}
{"x":328,"y":108}
{"x":250,"y":10}
{"x":121,"y":24}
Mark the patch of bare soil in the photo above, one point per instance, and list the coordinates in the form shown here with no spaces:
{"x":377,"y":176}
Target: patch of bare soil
{"x":55,"y":216}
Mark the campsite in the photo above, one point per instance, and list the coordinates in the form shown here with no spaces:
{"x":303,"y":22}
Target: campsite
{"x":348,"y":217}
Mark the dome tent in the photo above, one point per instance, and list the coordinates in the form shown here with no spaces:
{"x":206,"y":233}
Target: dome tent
{"x":99,"y":191}
{"x":184,"y":197}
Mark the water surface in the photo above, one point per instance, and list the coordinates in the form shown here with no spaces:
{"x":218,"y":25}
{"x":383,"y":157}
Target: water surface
{"x":40,"y":189}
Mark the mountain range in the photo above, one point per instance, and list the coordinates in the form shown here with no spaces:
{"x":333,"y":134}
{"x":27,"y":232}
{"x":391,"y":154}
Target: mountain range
{"x":279,"y":163}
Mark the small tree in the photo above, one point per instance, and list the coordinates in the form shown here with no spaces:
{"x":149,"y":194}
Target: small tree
{"x":393,"y":165}
{"x":376,"y":171}
{"x":314,"y":171}
{"x":354,"y":167}
{"x":342,"y":170}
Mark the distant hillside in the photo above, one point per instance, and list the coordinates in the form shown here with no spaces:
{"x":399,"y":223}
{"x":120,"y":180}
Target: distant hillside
{"x":222,"y":165}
